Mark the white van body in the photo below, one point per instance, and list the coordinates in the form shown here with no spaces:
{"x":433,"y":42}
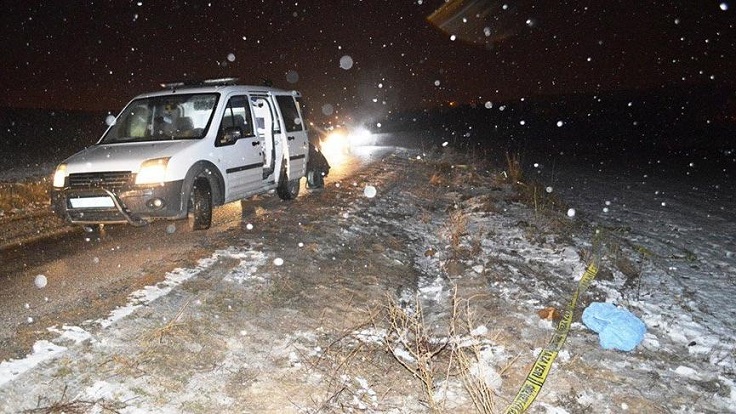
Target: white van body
{"x":181,"y":151}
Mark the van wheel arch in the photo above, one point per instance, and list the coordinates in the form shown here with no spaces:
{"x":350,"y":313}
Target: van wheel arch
{"x":217,"y":183}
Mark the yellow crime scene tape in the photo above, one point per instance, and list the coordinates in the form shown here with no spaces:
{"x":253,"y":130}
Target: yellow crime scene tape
{"x":538,"y":374}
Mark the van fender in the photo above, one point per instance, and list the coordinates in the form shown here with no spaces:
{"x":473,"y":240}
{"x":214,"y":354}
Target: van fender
{"x":213,"y":175}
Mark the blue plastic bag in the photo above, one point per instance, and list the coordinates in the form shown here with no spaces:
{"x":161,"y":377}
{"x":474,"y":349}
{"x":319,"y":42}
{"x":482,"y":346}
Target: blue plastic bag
{"x":617,"y":328}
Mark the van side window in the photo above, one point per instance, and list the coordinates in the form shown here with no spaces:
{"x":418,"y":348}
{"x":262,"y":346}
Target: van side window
{"x":237,"y":116}
{"x":292,"y":119}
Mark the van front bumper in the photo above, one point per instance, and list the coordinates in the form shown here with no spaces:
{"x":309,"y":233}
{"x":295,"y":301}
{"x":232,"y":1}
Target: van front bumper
{"x":137,"y":206}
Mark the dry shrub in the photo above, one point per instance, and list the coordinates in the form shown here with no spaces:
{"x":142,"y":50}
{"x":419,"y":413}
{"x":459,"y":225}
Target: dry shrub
{"x":470,"y":359}
{"x":434,"y":358}
{"x":341,"y":362}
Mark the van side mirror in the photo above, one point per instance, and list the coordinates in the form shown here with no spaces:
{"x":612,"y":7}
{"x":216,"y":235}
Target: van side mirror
{"x":229,"y":135}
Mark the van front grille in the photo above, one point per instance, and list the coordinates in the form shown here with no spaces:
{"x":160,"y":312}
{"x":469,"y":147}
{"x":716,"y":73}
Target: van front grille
{"x":108,"y":180}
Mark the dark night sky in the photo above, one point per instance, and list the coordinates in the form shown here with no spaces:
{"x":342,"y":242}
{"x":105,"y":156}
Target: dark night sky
{"x":97,"y":55}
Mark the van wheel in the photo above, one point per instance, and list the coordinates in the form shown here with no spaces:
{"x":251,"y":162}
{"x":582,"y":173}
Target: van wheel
{"x":287,"y":189}
{"x":315,"y":179}
{"x":200,"y":204}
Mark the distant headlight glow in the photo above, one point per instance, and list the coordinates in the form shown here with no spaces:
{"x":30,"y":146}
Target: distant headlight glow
{"x":335,"y":143}
{"x":360,"y":136}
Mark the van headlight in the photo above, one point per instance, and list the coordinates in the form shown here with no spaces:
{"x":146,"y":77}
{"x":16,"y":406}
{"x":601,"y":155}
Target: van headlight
{"x":152,"y":171}
{"x":60,"y":176}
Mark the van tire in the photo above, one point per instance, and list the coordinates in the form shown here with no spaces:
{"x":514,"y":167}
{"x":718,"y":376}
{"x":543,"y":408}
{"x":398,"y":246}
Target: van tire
{"x":287,"y":189}
{"x":200,"y":204}
{"x":315,"y":179}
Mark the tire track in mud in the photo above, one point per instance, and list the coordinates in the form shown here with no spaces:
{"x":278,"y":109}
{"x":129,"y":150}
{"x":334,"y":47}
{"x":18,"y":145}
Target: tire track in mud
{"x":398,"y":225}
{"x":359,"y":247}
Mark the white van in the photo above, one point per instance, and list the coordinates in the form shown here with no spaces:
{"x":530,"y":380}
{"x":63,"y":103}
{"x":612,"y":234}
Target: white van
{"x":181,"y":151}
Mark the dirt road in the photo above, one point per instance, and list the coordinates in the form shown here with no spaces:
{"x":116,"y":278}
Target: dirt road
{"x":85,"y":277}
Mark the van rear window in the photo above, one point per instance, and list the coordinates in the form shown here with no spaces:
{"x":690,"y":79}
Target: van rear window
{"x":292,"y":118}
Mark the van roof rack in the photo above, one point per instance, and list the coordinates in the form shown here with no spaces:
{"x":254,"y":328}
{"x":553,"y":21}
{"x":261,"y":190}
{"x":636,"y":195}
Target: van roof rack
{"x":205,"y":82}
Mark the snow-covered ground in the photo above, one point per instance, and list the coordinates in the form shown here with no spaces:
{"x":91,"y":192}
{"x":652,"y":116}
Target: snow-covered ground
{"x":433,"y":238}
{"x":674,"y":220}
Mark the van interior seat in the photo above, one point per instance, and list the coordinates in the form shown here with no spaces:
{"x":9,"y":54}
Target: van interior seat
{"x":233,"y":121}
{"x":184,"y":123}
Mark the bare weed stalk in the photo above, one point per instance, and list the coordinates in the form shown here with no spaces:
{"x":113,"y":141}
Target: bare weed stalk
{"x":337,"y":362}
{"x":481,"y":394}
{"x":74,"y":406}
{"x":412,"y":347}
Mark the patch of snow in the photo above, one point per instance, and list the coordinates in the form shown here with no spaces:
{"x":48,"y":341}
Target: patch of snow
{"x":43,"y":351}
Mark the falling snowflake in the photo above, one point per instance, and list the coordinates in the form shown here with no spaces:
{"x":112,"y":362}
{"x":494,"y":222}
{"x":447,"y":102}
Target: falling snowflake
{"x":346,"y":62}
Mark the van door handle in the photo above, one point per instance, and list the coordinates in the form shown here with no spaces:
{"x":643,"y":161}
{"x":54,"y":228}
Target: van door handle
{"x":291,"y":138}
{"x":256,"y":143}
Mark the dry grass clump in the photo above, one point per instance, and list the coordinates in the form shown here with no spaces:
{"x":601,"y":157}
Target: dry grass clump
{"x":535,"y":195}
{"x":514,"y":171}
{"x":442,"y":174}
{"x":174,"y":350}
{"x":175,"y":327}
{"x":532,"y":193}
{"x":457,"y":227}
{"x":459,"y":169}
{"x":21,"y":195}
{"x":451,"y":169}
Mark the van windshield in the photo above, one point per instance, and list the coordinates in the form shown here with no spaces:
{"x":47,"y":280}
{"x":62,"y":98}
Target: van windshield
{"x":163,"y":118}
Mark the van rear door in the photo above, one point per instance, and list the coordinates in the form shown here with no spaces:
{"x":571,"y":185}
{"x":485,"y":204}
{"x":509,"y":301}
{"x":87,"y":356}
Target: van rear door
{"x":268,"y":129}
{"x":296,"y":135}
